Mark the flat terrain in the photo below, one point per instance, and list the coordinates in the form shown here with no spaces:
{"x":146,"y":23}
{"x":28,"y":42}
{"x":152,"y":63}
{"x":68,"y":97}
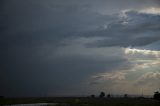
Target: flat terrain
{"x":83,"y":101}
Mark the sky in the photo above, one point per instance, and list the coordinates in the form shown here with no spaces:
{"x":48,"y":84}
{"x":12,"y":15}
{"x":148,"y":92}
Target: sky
{"x":79,"y":47}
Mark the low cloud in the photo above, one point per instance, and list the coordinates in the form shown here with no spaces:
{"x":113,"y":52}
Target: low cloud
{"x":152,"y":10}
{"x":112,"y":76}
{"x":143,"y":73}
{"x":133,"y":51}
{"x":150,"y":76}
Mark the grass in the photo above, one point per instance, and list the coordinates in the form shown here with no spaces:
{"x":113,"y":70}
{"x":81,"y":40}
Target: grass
{"x":83,"y":101}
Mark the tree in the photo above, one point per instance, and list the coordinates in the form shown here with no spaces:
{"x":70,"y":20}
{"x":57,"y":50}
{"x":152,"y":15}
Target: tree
{"x":125,"y":95}
{"x":1,"y":97}
{"x":108,"y":96}
{"x":93,"y":96}
{"x":157,"y":95}
{"x":102,"y":95}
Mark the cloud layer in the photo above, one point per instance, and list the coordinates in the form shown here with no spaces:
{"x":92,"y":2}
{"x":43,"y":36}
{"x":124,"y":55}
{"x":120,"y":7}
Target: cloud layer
{"x":78,"y":47}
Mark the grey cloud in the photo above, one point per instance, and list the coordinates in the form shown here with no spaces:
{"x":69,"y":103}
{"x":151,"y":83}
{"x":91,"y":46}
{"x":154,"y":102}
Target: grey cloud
{"x":30,"y":71}
{"x":141,"y":29}
{"x":30,"y":20}
{"x":31,"y":31}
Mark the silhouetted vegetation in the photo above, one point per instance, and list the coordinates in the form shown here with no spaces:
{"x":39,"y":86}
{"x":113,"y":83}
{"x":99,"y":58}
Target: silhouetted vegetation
{"x":102,"y":95}
{"x":125,"y":96}
{"x":84,"y":101}
{"x":92,"y":96}
{"x":1,"y":97}
{"x":92,"y":100}
{"x":108,"y":96}
{"x":157,"y":95}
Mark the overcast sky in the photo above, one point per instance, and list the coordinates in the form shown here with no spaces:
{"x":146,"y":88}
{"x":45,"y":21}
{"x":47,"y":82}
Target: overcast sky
{"x":79,"y":47}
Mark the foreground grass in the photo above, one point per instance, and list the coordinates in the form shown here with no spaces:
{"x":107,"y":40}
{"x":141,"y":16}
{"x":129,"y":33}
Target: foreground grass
{"x":72,"y":101}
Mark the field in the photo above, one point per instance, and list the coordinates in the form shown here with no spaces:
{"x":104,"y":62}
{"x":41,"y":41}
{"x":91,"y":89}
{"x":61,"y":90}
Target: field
{"x":83,"y":101}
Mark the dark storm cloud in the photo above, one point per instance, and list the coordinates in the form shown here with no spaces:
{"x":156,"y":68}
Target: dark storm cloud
{"x":28,"y":71}
{"x":34,"y":21}
{"x":32,"y":30}
{"x":140,"y":29}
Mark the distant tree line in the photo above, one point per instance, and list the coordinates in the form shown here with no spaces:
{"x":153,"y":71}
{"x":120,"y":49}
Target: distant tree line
{"x":103,"y":95}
